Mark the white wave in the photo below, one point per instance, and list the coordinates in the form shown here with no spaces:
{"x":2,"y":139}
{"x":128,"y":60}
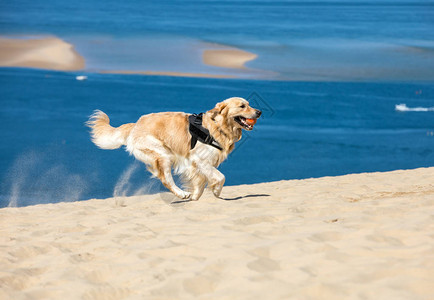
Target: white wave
{"x":404,"y":107}
{"x":81,"y":77}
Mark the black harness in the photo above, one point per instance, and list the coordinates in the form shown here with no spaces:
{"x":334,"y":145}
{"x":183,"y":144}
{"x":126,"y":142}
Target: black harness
{"x":200,"y":133}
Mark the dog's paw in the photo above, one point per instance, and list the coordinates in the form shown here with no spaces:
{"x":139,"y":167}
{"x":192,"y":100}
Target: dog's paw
{"x":184,"y":195}
{"x":217,"y":190}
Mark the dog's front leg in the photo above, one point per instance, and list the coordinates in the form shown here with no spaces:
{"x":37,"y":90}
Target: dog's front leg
{"x":217,"y":182}
{"x":214,"y":177}
{"x":198,"y":183}
{"x":211,"y":175}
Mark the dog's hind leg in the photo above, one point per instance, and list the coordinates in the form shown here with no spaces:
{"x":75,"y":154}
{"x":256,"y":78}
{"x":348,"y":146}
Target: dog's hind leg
{"x":161,"y":167}
{"x":193,"y":180}
{"x":164,"y":167}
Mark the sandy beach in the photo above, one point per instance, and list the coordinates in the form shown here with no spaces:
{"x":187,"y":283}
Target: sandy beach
{"x":42,"y":53}
{"x":363,"y":236}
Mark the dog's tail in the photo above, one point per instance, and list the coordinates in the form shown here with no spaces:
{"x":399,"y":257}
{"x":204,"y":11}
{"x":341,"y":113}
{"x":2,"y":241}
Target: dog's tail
{"x":105,"y":136}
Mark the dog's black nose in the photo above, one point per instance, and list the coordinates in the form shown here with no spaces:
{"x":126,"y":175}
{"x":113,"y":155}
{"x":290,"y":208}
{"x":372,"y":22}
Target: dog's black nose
{"x":258,"y":113}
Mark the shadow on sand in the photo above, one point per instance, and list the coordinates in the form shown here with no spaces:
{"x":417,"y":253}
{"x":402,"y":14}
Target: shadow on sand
{"x":246,"y":196}
{"x":226,"y":199}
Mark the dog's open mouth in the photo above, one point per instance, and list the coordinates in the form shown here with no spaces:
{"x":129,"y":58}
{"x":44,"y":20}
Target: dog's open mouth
{"x":246,"y":123}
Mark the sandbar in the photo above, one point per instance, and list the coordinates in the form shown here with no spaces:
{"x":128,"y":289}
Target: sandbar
{"x":53,"y":53}
{"x":41,"y":53}
{"x":227,"y":58}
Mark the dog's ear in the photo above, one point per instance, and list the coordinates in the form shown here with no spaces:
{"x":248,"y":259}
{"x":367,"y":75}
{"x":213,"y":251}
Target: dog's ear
{"x":219,"y":109}
{"x":222,"y":108}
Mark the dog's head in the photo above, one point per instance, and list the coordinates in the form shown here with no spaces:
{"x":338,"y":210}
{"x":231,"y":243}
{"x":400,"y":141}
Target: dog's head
{"x":236,"y":112}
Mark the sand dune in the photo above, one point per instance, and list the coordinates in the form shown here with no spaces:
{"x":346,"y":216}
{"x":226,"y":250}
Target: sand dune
{"x":42,"y":53}
{"x":365,"y":236}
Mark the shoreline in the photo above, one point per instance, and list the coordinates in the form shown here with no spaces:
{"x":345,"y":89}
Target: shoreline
{"x":167,"y":73}
{"x":364,"y":234}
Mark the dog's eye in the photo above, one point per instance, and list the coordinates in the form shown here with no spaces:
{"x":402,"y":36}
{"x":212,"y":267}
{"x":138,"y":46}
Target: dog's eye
{"x":243,"y":106}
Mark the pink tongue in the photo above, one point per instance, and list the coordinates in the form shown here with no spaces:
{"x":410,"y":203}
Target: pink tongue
{"x":251,"y":121}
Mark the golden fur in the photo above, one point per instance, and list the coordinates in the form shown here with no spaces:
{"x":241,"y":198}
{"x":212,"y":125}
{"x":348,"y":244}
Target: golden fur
{"x":162,"y":142}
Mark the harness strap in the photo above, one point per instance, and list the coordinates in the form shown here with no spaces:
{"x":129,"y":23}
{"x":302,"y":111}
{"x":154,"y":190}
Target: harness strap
{"x":200,"y":133}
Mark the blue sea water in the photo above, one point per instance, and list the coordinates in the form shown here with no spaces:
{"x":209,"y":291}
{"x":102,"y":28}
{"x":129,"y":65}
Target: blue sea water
{"x":354,"y":62}
{"x":296,"y":40}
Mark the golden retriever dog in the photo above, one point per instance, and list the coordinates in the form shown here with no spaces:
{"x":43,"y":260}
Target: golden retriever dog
{"x":165,"y":141}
